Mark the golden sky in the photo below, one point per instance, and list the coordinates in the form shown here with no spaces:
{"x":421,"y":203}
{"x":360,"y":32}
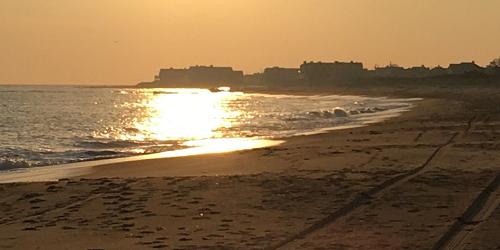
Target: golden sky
{"x":127,"y":41}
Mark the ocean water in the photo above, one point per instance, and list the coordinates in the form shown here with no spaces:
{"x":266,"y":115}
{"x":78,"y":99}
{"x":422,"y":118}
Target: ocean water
{"x":49,"y":125}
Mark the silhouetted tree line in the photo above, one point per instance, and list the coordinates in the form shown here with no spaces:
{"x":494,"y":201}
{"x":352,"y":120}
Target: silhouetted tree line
{"x":495,"y":63}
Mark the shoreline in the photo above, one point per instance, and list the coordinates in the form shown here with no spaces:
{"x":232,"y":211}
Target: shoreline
{"x":77,"y":169}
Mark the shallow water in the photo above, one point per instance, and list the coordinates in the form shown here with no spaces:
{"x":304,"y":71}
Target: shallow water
{"x":42,"y":125}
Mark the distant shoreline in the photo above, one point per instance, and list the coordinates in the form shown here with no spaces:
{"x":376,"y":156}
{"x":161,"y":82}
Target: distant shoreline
{"x":471,"y":79}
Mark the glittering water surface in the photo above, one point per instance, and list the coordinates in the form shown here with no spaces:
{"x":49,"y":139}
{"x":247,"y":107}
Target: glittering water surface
{"x":42,"y":125}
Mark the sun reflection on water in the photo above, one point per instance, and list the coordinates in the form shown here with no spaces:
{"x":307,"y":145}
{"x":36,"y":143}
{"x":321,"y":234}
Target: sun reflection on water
{"x":186,"y":114}
{"x":197,"y":117}
{"x":192,"y":118}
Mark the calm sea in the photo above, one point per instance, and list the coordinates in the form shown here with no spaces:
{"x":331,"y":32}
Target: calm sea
{"x":42,"y":125}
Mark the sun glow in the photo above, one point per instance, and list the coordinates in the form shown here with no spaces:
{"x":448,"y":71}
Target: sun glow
{"x":185,"y":122}
{"x":182,"y":114}
{"x":211,"y":146}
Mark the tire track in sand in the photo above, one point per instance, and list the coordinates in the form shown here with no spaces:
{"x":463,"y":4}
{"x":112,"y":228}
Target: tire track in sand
{"x":479,"y":210}
{"x":364,"y":197}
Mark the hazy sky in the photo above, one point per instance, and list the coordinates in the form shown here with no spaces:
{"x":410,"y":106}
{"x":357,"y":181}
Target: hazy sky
{"x":126,"y":41}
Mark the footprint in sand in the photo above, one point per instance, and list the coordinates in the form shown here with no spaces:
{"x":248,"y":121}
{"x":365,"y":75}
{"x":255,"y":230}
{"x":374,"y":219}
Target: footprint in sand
{"x":127,"y":218}
{"x":128,"y":225}
{"x":53,"y":188}
{"x":144,"y":243}
{"x":148,"y":213}
{"x":201,"y":217}
{"x":127,"y":193}
{"x":160,"y":246}
{"x":51,"y":224}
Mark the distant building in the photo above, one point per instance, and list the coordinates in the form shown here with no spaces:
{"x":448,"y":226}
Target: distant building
{"x":312,"y":74}
{"x":281,"y":76}
{"x":173,"y":75}
{"x":331,"y":72}
{"x":211,"y":74}
{"x":316,"y":72}
{"x":418,"y":72}
{"x":438,"y":71}
{"x":389,"y":71}
{"x":253,"y":79}
{"x":395,"y":71}
{"x":199,"y":76}
{"x":347,"y":70}
{"x":492,"y":70}
{"x":462,"y":68}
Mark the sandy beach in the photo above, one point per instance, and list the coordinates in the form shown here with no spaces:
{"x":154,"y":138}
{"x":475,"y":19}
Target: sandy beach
{"x":425,"y":180}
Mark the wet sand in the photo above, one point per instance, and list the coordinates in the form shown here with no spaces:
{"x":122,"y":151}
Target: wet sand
{"x":428,"y":179}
